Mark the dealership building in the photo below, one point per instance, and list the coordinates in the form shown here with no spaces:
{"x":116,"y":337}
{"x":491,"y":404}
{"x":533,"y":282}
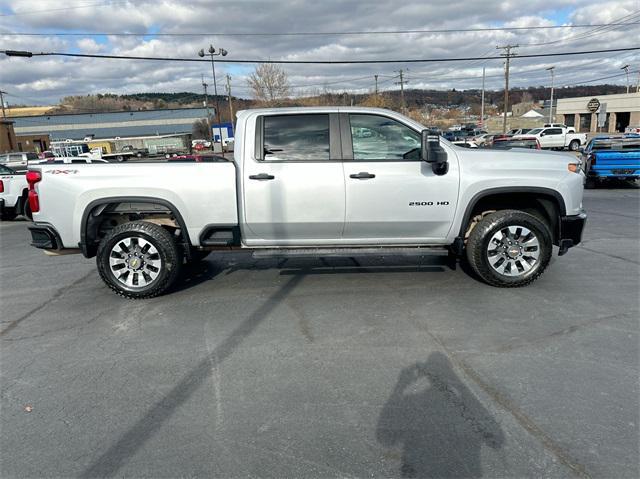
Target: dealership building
{"x":77,"y":126}
{"x":616,"y":112}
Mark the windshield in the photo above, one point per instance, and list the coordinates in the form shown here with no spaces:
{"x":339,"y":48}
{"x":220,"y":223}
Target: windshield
{"x":535,"y":131}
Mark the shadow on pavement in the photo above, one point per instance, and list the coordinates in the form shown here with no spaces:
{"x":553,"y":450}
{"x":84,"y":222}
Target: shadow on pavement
{"x":438,"y":423}
{"x":134,"y":439}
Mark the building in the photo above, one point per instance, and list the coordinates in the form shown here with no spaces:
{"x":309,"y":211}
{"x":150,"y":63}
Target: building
{"x":8,"y":141}
{"x":77,"y":126}
{"x":621,"y":110}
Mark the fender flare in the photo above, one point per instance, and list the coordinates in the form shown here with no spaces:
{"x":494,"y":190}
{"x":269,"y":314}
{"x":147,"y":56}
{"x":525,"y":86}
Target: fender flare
{"x":89,"y":250}
{"x":562,"y":209}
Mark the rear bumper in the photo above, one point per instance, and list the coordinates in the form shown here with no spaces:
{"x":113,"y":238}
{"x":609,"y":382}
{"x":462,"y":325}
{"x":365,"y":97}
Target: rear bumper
{"x":45,"y":236}
{"x":571,"y":228}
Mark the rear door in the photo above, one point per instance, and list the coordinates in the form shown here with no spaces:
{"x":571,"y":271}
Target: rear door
{"x":392,"y":197}
{"x":553,"y":138}
{"x":293,"y":183}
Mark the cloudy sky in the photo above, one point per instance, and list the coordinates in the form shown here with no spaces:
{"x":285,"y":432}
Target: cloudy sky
{"x":179,"y":28}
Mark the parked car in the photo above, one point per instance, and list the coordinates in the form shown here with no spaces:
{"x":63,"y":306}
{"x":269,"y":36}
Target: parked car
{"x":518,"y":131}
{"x":13,"y":194}
{"x":295,"y":186}
{"x":19,"y":160}
{"x":530,"y":142}
{"x":557,"y":138}
{"x":137,"y":152}
{"x":198,"y":158}
{"x":568,"y":129}
{"x":482,"y":139}
{"x":607,"y":157}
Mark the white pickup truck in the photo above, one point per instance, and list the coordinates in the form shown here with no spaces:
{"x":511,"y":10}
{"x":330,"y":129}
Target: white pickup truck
{"x":556,"y":138}
{"x":13,"y":194}
{"x":332,"y":180}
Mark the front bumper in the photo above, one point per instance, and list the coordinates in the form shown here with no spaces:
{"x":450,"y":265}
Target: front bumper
{"x":571,"y":228}
{"x":45,"y":236}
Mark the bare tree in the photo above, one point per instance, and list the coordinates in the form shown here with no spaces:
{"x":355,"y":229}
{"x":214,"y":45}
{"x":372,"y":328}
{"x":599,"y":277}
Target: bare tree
{"x":269,"y":83}
{"x":200,"y":130}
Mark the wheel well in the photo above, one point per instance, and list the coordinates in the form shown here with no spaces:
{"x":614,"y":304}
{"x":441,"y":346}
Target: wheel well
{"x":100,"y":218}
{"x":544,"y":206}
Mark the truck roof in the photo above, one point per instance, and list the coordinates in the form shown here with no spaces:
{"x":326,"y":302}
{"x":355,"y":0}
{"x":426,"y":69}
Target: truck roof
{"x":315,"y":109}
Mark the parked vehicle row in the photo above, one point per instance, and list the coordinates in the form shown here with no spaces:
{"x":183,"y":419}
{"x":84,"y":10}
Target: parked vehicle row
{"x":13,"y":194}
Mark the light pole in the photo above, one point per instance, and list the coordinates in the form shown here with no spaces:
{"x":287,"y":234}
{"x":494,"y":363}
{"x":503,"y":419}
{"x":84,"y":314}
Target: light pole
{"x":626,"y":69}
{"x":213,"y":53}
{"x":551,"y":69}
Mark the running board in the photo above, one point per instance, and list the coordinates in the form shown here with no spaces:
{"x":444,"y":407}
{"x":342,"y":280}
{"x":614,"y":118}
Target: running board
{"x":346,"y":252}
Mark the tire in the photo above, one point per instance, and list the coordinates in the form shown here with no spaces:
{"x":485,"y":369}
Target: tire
{"x":157,"y":265}
{"x":26,"y":209}
{"x":521,"y":243}
{"x":8,"y":214}
{"x":574,"y":145}
{"x":119,"y":158}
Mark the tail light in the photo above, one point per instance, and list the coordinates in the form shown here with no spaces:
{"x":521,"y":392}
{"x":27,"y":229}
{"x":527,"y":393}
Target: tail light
{"x":33,"y":177}
{"x":1,"y":186}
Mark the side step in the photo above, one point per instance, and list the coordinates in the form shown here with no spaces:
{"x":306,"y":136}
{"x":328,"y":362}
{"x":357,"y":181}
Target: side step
{"x":342,"y":252}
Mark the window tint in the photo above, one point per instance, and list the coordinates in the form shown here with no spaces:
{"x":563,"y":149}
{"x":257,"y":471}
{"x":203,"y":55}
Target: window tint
{"x":296,"y":137}
{"x":380,"y":138}
{"x":554,"y":131}
{"x":32,"y":156}
{"x":535,"y":131}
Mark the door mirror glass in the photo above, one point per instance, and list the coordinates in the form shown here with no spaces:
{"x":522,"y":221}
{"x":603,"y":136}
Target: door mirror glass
{"x":432,"y":152}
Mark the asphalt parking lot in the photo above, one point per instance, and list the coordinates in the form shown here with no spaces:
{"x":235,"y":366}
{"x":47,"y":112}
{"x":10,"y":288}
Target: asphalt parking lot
{"x":326,"y":367}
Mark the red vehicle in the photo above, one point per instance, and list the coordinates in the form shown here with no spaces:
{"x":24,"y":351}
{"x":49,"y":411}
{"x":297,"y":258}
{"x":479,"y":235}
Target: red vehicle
{"x":503,"y":143}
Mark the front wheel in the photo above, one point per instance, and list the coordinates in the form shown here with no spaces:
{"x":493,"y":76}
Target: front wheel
{"x":139,"y":260}
{"x":509,"y":248}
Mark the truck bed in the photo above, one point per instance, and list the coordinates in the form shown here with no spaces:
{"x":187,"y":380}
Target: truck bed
{"x":202,"y":193}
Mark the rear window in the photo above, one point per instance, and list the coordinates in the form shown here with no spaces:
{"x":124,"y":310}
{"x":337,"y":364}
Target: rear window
{"x":32,"y":156}
{"x":296,"y":137}
{"x":5,"y":170}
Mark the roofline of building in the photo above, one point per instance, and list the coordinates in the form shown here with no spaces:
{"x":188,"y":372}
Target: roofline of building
{"x":114,"y":111}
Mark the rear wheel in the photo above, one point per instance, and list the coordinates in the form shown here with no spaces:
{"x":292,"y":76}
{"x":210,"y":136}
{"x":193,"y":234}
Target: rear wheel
{"x":139,"y":260}
{"x":574,"y":145}
{"x":509,"y":248}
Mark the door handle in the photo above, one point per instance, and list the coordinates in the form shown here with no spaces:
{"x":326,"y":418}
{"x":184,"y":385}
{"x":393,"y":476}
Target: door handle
{"x":363,"y":175}
{"x":261,"y":176}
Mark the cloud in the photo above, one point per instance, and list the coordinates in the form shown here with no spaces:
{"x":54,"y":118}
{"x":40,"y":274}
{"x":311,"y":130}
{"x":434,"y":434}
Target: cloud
{"x":47,"y":79}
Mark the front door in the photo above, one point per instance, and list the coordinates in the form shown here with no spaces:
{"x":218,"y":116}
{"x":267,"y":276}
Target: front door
{"x":392,"y":197}
{"x":554,"y":138}
{"x":294,"y":186}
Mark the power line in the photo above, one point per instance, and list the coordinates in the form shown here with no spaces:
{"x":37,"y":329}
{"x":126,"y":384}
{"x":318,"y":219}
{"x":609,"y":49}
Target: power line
{"x":76,"y":7}
{"x":307,"y":62}
{"x":293,"y":34}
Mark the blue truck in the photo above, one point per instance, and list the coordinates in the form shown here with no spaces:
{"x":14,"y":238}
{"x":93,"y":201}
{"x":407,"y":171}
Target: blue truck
{"x":611,"y":158}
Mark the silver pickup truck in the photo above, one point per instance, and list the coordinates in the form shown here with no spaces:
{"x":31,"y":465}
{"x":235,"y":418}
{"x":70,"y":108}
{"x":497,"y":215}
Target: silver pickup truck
{"x":314,"y":179}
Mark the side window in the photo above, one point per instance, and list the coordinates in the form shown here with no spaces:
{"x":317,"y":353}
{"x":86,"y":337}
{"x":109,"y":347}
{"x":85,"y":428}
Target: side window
{"x":32,"y":156}
{"x":379,"y":138}
{"x":554,"y":131}
{"x":296,"y":137}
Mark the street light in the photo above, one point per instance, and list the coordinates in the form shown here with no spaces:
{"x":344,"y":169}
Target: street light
{"x":551,"y":69}
{"x":626,"y":69}
{"x":213,"y":53}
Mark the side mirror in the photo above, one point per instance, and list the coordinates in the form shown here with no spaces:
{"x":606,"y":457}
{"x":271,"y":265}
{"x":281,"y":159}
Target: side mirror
{"x":433,"y":153}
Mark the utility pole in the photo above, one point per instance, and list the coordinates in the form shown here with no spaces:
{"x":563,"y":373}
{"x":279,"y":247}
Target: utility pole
{"x":4,"y":114}
{"x":507,"y":54}
{"x":626,"y":69}
{"x":482,"y":101}
{"x":229,"y":98}
{"x":401,"y":83}
{"x":206,"y":105}
{"x":551,"y":69}
{"x":376,"y":78}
